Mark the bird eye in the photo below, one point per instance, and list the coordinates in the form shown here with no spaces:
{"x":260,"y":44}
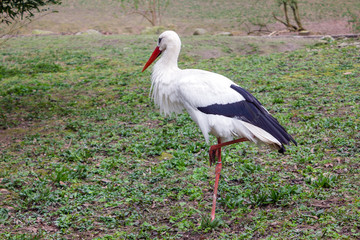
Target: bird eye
{"x":159,"y":41}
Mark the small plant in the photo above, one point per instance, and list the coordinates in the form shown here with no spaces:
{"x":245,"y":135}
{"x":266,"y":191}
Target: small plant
{"x":259,"y":199}
{"x":4,"y":215}
{"x":206,"y":224}
{"x":80,"y":172}
{"x":282,"y":194}
{"x":274,"y":195}
{"x":79,"y":155}
{"x":44,"y":67}
{"x":36,"y":194}
{"x":63,"y":173}
{"x":233,"y":202}
{"x":278,"y":100}
{"x":249,"y":168}
{"x":325,"y":181}
{"x":60,"y":174}
{"x":4,"y":123}
{"x":74,"y":125}
{"x":12,"y":183}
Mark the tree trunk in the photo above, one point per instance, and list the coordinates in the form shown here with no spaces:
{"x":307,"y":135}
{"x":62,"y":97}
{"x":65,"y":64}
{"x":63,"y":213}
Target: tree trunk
{"x":158,"y":11}
{"x":286,"y":14}
{"x":287,"y":20}
{"x":295,"y":10}
{"x":152,"y":7}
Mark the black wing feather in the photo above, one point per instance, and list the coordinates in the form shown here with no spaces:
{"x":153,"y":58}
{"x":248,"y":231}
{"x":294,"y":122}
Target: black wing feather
{"x":253,"y":112}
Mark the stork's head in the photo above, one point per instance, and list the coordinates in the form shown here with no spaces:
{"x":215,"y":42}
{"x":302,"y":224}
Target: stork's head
{"x":168,"y":39}
{"x":168,"y":42}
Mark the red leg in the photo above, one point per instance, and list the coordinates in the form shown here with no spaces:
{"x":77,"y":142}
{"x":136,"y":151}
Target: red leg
{"x":217,"y":177}
{"x":215,"y":150}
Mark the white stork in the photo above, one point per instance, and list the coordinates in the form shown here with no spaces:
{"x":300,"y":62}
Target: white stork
{"x":217,"y":104}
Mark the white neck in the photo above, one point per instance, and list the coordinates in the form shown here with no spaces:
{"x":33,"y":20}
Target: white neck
{"x":164,"y":74}
{"x":168,"y":60}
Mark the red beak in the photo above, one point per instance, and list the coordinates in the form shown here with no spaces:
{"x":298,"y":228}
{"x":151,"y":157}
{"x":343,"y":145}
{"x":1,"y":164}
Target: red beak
{"x":152,"y":58}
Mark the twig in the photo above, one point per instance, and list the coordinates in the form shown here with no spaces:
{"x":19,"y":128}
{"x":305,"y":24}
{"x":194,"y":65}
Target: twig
{"x":68,"y":146}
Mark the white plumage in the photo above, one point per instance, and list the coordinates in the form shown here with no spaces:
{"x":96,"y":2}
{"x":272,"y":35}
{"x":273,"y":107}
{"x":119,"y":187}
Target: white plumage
{"x":174,"y":89}
{"x":218,"y":105}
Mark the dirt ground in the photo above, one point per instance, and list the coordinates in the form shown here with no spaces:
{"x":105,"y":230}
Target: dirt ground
{"x":329,"y":27}
{"x":71,"y":20}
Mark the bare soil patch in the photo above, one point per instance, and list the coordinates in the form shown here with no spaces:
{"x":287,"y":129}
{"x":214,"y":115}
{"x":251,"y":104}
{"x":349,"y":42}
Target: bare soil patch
{"x":214,"y":47}
{"x":184,"y":16}
{"x":323,"y":27}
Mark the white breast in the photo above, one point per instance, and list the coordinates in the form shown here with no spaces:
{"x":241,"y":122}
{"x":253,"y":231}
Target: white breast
{"x":164,"y":92}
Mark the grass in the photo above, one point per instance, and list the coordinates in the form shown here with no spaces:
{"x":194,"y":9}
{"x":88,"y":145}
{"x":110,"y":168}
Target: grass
{"x":86,"y":155}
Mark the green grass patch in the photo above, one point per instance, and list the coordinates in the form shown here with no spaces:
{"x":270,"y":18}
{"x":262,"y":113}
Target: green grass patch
{"x":85,"y":153}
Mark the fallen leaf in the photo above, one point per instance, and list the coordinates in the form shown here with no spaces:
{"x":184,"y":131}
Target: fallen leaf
{"x":274,"y":223}
{"x":4,"y":191}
